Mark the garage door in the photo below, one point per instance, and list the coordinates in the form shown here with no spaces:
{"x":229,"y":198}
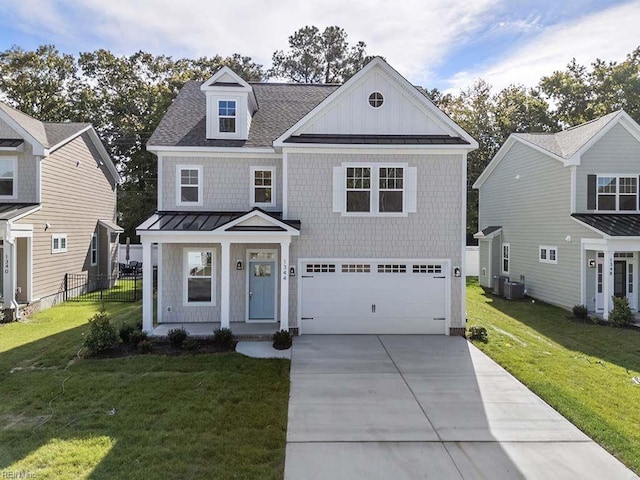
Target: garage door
{"x":375,"y":297}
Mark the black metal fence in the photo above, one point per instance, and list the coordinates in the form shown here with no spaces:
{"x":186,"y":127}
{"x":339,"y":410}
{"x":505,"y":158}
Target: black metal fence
{"x":85,"y":287}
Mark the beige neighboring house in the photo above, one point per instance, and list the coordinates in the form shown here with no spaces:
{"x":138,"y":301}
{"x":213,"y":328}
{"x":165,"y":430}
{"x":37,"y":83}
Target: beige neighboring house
{"x":57,"y":208}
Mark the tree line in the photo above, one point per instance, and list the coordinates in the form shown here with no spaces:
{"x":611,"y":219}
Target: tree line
{"x":126,"y":96}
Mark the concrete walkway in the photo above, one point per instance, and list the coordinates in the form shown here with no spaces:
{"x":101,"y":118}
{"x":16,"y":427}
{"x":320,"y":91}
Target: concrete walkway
{"x":415,"y":407}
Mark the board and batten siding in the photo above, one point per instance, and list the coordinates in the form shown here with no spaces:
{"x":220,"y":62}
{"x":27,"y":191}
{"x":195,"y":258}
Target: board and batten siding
{"x":617,"y":152}
{"x":529,"y":195}
{"x":76,"y":193}
{"x":434,"y":231}
{"x":226,"y":185}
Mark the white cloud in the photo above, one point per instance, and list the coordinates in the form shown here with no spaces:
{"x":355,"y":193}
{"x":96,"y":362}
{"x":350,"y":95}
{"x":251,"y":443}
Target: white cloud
{"x":414,"y":35}
{"x":609,"y":35}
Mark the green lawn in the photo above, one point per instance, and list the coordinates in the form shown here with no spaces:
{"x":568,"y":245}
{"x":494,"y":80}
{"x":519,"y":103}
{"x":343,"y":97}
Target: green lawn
{"x":584,"y":371}
{"x":148,"y":416}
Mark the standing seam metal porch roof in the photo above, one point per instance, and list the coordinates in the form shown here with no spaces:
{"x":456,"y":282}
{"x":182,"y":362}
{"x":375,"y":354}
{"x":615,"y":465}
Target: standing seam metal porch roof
{"x":612,"y":224}
{"x":200,"y":221}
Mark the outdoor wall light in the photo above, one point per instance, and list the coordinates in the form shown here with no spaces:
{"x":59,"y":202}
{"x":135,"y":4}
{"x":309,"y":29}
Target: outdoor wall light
{"x":292,"y":272}
{"x":239,"y":265}
{"x":457,"y":271}
{"x":47,"y":226}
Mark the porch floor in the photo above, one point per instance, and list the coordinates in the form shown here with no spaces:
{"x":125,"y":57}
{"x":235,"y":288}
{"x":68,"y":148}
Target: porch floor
{"x":241,"y":330}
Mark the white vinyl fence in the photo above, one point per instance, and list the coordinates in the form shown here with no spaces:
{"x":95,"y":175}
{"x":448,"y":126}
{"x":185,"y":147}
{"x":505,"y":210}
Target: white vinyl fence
{"x":135,"y":253}
{"x":472,"y":262}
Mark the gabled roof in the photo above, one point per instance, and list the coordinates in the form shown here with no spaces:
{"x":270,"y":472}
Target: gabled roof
{"x":46,"y":137}
{"x":566,"y":146}
{"x":279,"y":107}
{"x":487,"y":233}
{"x":612,"y":224}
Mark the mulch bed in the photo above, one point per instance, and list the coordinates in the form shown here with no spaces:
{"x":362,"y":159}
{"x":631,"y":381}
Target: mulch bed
{"x":163,"y":347}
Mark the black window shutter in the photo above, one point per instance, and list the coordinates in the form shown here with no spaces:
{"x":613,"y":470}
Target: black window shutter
{"x":591,"y":192}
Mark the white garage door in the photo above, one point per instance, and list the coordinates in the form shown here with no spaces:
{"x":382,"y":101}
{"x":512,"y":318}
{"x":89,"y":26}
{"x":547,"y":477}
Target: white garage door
{"x":373,"y":297}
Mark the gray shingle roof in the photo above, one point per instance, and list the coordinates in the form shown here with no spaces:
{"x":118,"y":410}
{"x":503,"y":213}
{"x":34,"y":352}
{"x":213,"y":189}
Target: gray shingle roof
{"x":280,"y":106}
{"x":566,"y":143}
{"x":48,"y":134}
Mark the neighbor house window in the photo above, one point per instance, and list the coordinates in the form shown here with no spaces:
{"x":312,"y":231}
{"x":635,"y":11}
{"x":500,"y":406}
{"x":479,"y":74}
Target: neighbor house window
{"x":94,"y":249}
{"x":227,"y":116}
{"x":617,"y":193}
{"x":547,"y":254}
{"x":506,"y":256}
{"x":7,"y":176}
{"x":189,"y":185}
{"x":199,"y":286}
{"x":262,"y":186}
{"x":375,"y":189}
{"x":58,"y":243}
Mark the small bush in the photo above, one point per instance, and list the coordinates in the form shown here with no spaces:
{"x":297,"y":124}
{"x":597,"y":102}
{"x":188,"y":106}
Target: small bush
{"x":102,"y":334}
{"x":223,"y":338}
{"x":145,"y":346}
{"x":621,"y":314}
{"x":580,"y":311}
{"x":125,"y":332}
{"x":137,"y":336}
{"x":282,"y":340}
{"x":189,"y":344}
{"x":477,"y":332}
{"x":177,"y":336}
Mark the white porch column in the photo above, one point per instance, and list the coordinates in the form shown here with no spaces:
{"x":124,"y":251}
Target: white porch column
{"x":284,"y":286}
{"x":225,"y":280}
{"x":607,"y":282}
{"x":147,"y":288}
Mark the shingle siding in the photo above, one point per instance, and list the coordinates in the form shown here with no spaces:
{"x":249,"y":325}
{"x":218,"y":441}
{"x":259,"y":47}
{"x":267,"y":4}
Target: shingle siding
{"x":533,"y":210}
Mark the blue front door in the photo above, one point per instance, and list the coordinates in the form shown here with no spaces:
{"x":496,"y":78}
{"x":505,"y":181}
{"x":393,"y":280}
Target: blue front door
{"x":262,"y":286}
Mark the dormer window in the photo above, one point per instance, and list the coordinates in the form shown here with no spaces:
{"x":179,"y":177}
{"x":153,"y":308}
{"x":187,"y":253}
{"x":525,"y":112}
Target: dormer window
{"x":227,"y":116}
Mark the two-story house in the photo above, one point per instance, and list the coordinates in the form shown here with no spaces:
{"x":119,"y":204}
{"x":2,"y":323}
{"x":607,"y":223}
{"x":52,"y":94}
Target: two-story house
{"x":57,"y":208}
{"x":321,"y":208}
{"x":560,"y":212}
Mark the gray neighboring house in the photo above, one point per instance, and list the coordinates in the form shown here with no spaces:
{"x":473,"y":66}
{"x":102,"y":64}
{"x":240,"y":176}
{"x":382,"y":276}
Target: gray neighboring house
{"x":560,"y":212}
{"x":57,"y":208}
{"x":316,"y":208}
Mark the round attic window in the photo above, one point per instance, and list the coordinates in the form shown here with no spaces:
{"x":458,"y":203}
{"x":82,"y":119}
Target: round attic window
{"x":376,"y":99}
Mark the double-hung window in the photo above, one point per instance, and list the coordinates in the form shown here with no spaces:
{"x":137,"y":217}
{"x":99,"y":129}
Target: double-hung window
{"x":617,"y":193}
{"x":227,"y":116}
{"x":506,"y":258}
{"x":263,"y":187}
{"x":199,"y":277}
{"x":375,"y":189}
{"x":94,"y":249}
{"x":189,"y":185}
{"x":7,"y":177}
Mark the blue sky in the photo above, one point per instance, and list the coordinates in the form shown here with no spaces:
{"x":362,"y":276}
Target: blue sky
{"x":435,"y":43}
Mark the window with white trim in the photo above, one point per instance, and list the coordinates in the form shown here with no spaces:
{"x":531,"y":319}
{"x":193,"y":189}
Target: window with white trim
{"x":59,"y":243}
{"x":189,"y":185}
{"x":8,"y":167}
{"x":375,"y":189}
{"x":227,"y":116}
{"x":547,"y":254}
{"x":617,"y":193}
{"x":94,"y":249}
{"x":506,"y":257}
{"x":199,"y":277}
{"x":263,"y":186}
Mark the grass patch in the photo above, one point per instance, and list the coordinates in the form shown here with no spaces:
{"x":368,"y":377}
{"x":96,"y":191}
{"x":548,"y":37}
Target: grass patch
{"x":584,"y":371}
{"x":140,"y":417}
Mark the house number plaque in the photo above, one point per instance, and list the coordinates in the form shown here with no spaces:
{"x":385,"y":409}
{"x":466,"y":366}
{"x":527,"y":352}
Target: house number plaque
{"x":284,"y":269}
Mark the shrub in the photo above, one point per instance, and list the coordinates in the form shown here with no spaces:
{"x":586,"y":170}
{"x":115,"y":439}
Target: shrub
{"x":621,"y":314}
{"x":580,"y":311}
{"x":177,"y":336}
{"x":223,"y":338}
{"x":137,"y":336}
{"x":189,"y":344}
{"x":125,"y":332}
{"x":145,"y":346}
{"x":102,"y":334}
{"x":477,"y":332}
{"x":282,"y":340}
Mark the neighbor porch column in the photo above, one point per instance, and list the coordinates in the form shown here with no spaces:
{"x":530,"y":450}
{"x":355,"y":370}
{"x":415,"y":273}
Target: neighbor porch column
{"x":147,"y":288}
{"x":607,"y":282}
{"x":284,"y":286}
{"x":225,"y":280}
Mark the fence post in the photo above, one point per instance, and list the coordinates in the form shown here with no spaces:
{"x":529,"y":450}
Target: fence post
{"x":135,"y":288}
{"x":66,"y":287}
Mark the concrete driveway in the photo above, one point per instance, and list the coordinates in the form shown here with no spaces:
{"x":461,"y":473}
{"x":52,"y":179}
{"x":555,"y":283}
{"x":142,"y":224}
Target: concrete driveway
{"x":414,"y":407}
